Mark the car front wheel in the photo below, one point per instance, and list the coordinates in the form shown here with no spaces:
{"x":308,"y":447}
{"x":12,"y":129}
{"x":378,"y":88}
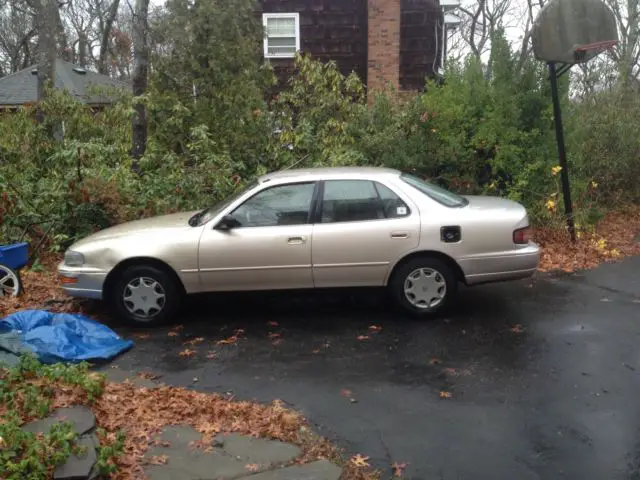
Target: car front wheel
{"x":424,"y":286}
{"x":146,"y":295}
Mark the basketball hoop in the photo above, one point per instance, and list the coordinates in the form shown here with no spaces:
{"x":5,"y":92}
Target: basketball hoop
{"x":586,"y":52}
{"x":565,"y":33}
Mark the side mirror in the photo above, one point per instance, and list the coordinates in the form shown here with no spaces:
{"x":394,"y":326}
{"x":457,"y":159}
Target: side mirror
{"x":228,"y":222}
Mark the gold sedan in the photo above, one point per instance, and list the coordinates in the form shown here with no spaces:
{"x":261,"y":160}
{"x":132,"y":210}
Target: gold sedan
{"x":314,"y":228}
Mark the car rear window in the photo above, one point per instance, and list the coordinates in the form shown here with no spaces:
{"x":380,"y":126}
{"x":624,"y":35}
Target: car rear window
{"x":439,"y":194}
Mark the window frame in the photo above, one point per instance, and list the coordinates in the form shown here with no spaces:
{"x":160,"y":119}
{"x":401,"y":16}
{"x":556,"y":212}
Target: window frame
{"x":312,"y":204}
{"x":265,"y":18}
{"x":317,"y":217}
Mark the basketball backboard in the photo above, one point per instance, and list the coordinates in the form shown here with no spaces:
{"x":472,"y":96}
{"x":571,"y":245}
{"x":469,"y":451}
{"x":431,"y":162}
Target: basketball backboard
{"x":573,"y":31}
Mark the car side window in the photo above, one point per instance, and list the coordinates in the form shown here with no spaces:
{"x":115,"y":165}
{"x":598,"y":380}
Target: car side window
{"x":350,"y":201}
{"x":279,"y":205}
{"x":393,"y":206}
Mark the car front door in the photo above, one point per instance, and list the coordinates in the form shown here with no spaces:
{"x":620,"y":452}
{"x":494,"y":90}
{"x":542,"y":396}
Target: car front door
{"x":269,"y":247}
{"x":361,"y":229}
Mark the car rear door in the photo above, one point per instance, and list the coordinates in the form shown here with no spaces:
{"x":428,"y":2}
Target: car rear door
{"x":361,"y":228}
{"x":269,"y":249}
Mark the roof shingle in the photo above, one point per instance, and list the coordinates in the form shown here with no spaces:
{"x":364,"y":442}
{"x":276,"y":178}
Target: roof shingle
{"x":22,"y":87}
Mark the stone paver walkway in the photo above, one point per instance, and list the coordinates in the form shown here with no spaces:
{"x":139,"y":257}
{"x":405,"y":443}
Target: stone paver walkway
{"x":232,"y":456}
{"x":174,"y":457}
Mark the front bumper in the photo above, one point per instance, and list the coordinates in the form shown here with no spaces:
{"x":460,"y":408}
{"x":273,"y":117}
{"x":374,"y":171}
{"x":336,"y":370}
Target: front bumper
{"x":82,"y":283}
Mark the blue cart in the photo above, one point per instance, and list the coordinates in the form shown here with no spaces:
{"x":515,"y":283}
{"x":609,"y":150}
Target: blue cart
{"x":12,"y":259}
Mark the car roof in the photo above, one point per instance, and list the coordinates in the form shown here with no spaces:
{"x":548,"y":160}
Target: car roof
{"x":332,"y":173}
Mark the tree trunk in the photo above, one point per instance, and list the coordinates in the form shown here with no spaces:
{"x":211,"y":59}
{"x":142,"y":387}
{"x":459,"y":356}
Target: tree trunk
{"x":106,"y":35}
{"x":47,"y":27}
{"x":140,"y":74}
{"x":82,"y":49}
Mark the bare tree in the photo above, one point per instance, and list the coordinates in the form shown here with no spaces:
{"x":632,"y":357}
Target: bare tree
{"x":140,"y":77}
{"x":17,"y":34}
{"x":106,"y":27}
{"x":480,"y":19}
{"x":627,"y":53}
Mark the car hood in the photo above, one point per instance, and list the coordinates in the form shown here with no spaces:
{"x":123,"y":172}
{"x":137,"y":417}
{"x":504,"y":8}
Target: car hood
{"x":152,"y":225}
{"x":485,"y":203}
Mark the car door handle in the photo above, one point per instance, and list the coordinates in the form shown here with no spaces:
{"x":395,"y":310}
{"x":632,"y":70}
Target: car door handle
{"x":296,"y":240}
{"x":399,"y":235}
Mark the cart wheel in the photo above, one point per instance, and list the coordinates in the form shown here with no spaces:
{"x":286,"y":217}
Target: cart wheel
{"x":10,"y":284}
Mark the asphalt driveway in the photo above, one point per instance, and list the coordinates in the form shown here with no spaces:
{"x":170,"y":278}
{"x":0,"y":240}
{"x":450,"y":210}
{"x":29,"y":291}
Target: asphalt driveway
{"x":543,"y":375}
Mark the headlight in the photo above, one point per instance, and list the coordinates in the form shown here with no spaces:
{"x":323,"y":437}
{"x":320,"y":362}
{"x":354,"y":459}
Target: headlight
{"x":73,"y":259}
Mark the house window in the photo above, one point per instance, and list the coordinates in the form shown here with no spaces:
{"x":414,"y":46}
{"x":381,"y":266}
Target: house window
{"x":282,"y":34}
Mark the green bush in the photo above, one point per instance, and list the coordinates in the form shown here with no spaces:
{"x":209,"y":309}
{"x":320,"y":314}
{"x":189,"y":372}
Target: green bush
{"x":486,"y":129}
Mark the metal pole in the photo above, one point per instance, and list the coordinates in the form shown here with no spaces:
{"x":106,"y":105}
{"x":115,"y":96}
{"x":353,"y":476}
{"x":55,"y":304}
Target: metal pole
{"x":562,"y":154}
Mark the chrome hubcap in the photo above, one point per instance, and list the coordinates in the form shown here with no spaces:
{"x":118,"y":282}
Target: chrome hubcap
{"x":144,"y":297}
{"x":425,"y":288}
{"x":8,"y":282}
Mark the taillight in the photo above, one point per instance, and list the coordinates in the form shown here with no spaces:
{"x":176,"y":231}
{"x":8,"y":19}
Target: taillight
{"x":522,"y":236}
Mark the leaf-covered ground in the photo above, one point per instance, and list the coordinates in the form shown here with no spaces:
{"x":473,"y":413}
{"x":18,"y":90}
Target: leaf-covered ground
{"x":616,"y":236}
{"x":138,"y":414}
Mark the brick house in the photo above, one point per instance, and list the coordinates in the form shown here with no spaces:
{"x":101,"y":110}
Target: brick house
{"x":383,"y":41}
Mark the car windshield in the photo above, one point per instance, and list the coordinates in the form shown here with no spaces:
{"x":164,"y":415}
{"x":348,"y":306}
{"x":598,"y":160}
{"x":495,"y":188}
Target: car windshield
{"x":440,"y":195}
{"x":208,"y":213}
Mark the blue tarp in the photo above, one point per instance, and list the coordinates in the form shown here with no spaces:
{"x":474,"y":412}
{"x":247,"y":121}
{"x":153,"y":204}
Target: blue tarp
{"x":63,"y":337}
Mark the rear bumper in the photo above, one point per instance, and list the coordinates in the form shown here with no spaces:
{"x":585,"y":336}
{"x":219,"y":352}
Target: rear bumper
{"x":514,"y":265}
{"x":82,"y":284}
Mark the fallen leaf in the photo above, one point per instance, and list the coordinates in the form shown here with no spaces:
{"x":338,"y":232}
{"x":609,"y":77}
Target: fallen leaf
{"x":194,"y":341}
{"x":435,"y":361}
{"x":158,"y":460}
{"x":274,"y":335}
{"x":172,"y":334}
{"x":211,"y":355}
{"x":276,"y":342}
{"x":363,"y":337}
{"x":345,"y":393}
{"x":375,"y":328}
{"x":517,"y":329}
{"x":252,"y":467}
{"x":317,"y":350}
{"x":178,"y":328}
{"x":360,"y":461}
{"x":444,"y":394}
{"x":232,"y":339}
{"x":398,"y":469}
{"x":187,"y":352}
{"x":272,"y":324}
{"x":142,"y":336}
{"x":450,"y":371}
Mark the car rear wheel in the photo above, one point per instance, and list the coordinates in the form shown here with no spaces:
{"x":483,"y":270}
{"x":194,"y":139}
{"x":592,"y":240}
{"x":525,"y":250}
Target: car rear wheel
{"x":146,"y":295}
{"x":424,"y":286}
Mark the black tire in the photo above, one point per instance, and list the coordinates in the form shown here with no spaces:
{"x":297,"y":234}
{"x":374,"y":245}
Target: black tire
{"x":165,"y":284}
{"x":442,"y":272}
